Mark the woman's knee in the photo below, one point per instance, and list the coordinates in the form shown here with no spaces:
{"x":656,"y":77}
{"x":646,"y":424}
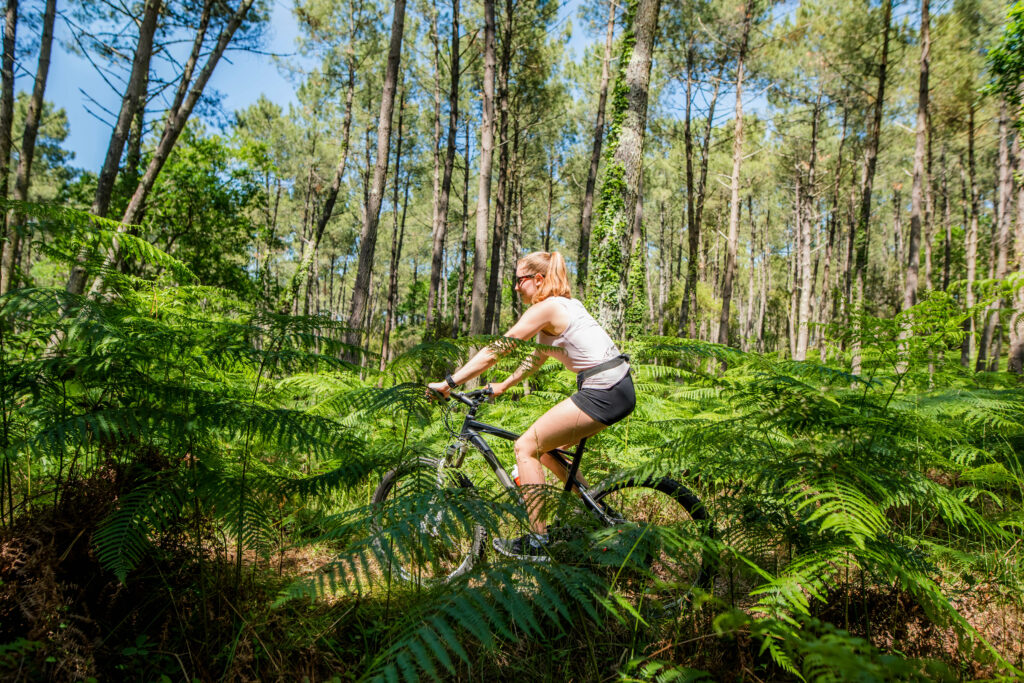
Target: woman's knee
{"x":527,"y":446}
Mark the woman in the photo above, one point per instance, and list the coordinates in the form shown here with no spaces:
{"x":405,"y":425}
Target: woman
{"x":604,"y":394}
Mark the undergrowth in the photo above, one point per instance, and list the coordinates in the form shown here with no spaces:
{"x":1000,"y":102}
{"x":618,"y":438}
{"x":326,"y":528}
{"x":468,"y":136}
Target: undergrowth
{"x":185,"y":484}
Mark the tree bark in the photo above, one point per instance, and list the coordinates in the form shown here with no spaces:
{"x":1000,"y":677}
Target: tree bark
{"x":499,"y":233}
{"x":1015,"y":360}
{"x":7,"y":94}
{"x":546,"y":239}
{"x":970,"y":244}
{"x":765,"y":275}
{"x":918,"y":189}
{"x":7,"y":122}
{"x":992,"y":330}
{"x":587,"y":212}
{"x":829,"y":290}
{"x":862,"y":236}
{"x":734,"y":183}
{"x":23,"y":175}
{"x":397,"y":237}
{"x":460,"y":318}
{"x":806,"y":279}
{"x":483,"y":202}
{"x":368,"y":234}
{"x":440,"y":228}
{"x":947,"y":222}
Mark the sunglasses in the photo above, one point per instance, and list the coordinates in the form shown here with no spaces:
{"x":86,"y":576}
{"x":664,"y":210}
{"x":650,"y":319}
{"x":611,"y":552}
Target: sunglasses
{"x":521,"y":278}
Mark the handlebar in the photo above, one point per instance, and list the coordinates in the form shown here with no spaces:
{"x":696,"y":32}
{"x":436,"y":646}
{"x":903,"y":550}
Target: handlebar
{"x":470,"y":398}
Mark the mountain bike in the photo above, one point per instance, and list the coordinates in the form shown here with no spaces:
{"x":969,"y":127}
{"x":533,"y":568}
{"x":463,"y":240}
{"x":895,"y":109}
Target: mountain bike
{"x":656,"y":526}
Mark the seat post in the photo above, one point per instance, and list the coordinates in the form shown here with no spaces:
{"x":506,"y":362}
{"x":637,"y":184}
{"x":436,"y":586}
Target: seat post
{"x":575,"y":465}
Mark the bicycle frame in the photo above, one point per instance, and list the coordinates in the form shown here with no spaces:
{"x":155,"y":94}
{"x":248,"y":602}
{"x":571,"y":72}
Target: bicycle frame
{"x":472,"y":433}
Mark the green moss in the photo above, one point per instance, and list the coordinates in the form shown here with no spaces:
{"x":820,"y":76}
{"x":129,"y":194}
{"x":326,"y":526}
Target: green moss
{"x":608,"y":264}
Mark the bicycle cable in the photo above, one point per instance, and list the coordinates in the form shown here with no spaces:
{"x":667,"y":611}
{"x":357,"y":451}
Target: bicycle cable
{"x":446,"y":411}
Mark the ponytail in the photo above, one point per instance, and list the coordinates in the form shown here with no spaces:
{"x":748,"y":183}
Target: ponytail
{"x":552,"y":266}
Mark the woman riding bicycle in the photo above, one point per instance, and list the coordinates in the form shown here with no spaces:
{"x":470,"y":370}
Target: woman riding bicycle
{"x":604,"y":393}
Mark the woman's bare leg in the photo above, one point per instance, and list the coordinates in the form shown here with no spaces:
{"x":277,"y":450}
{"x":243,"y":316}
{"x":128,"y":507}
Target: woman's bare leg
{"x":565,"y":423}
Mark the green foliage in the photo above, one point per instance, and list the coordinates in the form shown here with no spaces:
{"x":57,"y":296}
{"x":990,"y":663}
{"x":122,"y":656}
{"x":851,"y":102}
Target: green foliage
{"x":227,"y":428}
{"x":1005,"y":60}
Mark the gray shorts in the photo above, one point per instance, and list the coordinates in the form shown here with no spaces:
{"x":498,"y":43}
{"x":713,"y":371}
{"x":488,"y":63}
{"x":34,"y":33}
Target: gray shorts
{"x":610,"y":405}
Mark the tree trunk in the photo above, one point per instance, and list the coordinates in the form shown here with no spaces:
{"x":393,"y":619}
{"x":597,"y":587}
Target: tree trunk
{"x":178,"y":115}
{"x":483,"y":202}
{"x":993,"y":329}
{"x":829,"y":290}
{"x":806,"y":279}
{"x":440,"y":228}
{"x":663,"y":265}
{"x":686,"y":323}
{"x":929,"y":204}
{"x":747,"y":331}
{"x":947,"y":222}
{"x":500,"y":218}
{"x":897,"y":233}
{"x":1015,"y":360}
{"x":793,"y":274}
{"x":7,"y":96}
{"x":332,"y":193}
{"x":971,"y":245}
{"x":134,"y":99}
{"x":862,"y":237}
{"x":368,"y":235}
{"x":397,"y":237}
{"x":617,"y":211}
{"x":23,"y":175}
{"x":517,"y":242}
{"x":734,"y":184}
{"x":546,"y":240}
{"x":586,"y":214}
{"x":762,"y":307}
{"x":460,"y":318}
{"x":516,"y":225}
{"x":636,"y":289}
{"x":688,"y":312}
{"x":918,"y":189}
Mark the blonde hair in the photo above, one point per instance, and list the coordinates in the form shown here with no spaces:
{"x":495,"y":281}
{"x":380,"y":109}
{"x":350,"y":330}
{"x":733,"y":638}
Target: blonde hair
{"x":552,"y":266}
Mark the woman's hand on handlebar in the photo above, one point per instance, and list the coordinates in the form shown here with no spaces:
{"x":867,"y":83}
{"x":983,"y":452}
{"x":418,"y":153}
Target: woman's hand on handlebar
{"x":497,"y":388}
{"x":435,"y":388}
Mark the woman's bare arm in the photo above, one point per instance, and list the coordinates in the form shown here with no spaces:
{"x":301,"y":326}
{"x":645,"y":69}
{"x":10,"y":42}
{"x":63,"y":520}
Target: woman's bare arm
{"x":544,"y":314}
{"x":529,"y":366}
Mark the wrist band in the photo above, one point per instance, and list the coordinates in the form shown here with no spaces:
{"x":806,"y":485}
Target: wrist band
{"x":450,"y":381}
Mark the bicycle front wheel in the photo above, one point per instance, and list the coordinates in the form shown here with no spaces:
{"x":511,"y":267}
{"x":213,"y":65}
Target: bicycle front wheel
{"x":659,"y":540}
{"x":424,"y":523}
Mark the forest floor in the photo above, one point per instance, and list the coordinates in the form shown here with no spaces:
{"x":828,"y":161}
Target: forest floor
{"x":63,"y":618}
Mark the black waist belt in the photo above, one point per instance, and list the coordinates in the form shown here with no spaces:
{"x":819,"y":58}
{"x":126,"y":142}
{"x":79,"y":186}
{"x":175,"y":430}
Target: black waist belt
{"x":607,"y":365}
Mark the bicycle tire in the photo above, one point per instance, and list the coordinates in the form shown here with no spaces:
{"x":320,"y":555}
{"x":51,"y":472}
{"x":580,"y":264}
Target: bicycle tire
{"x":659,"y":537}
{"x":420,"y":533}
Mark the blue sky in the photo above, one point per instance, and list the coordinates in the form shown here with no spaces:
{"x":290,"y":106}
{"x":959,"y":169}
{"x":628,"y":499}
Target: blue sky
{"x":240,"y":77}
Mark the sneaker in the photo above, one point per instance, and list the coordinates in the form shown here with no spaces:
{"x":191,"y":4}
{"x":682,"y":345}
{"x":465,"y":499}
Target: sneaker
{"x":527,"y":547}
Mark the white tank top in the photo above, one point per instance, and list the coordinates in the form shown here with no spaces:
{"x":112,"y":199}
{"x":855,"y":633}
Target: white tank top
{"x":584,"y":344}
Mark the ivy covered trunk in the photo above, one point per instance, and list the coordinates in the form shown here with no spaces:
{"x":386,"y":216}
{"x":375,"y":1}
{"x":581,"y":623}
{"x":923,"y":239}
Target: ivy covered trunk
{"x":613,"y":231}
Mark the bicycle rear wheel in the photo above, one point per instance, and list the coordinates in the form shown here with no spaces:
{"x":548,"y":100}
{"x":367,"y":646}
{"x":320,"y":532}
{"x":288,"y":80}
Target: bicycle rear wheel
{"x":659,"y":543}
{"x":424,"y":524}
